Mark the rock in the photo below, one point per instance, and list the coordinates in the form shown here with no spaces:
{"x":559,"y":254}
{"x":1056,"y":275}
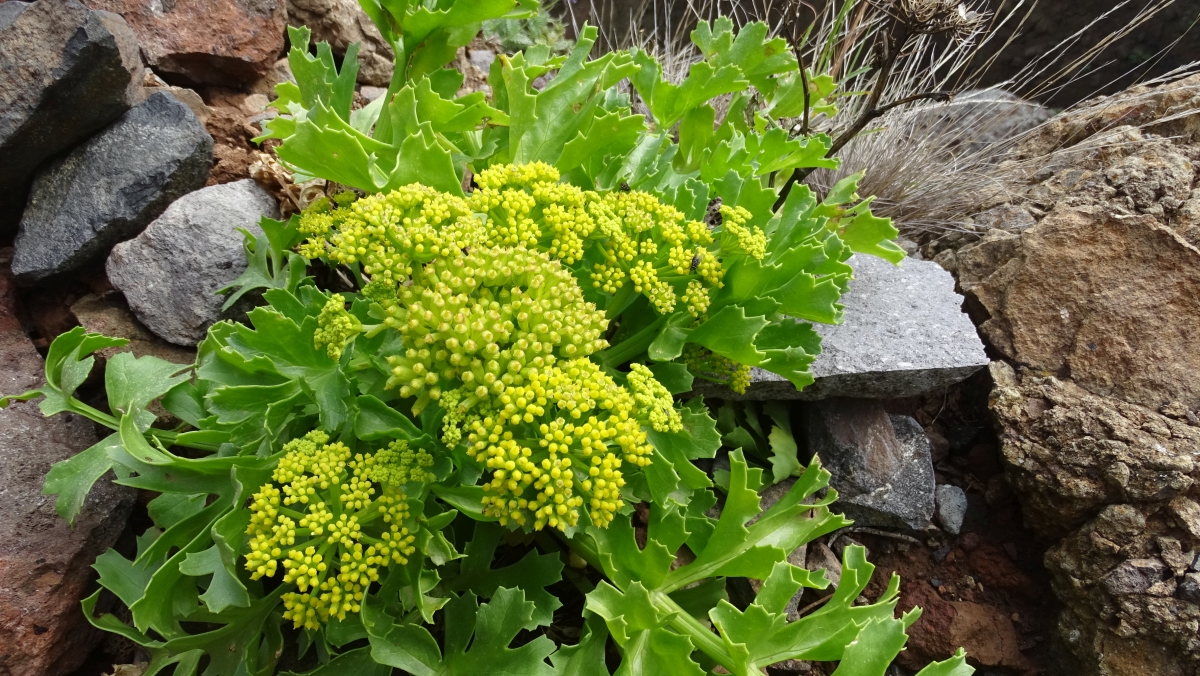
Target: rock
{"x":1007,"y":217}
{"x":65,"y":73}
{"x":108,"y":189}
{"x":880,"y":464}
{"x":987,"y":632}
{"x":821,"y":557}
{"x":9,"y":11}
{"x":45,"y":564}
{"x":171,"y":272}
{"x":223,"y":42}
{"x":992,"y":116}
{"x":340,"y":23}
{"x":1189,"y":589}
{"x":951,"y":507}
{"x":1126,"y":613}
{"x":1124,"y":326}
{"x":111,"y":316}
{"x":904,"y":334}
{"x":1165,"y":110}
{"x":1069,"y":452}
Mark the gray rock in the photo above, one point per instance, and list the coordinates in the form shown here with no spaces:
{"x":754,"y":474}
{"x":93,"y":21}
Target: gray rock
{"x":65,"y":73}
{"x":1189,"y":589}
{"x":9,"y":11}
{"x":108,"y":189}
{"x":1134,"y":576}
{"x":951,"y":507}
{"x":904,"y":333}
{"x":881,"y":465}
{"x":974,"y":120}
{"x":171,"y":272}
{"x":45,"y":564}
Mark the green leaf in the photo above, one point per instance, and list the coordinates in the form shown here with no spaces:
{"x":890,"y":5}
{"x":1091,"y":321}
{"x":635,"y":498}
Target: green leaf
{"x":357,"y":662}
{"x":955,"y":666}
{"x":270,"y":263}
{"x":376,"y":420}
{"x":531,"y":574}
{"x":487,"y":630}
{"x":133,"y":382}
{"x":72,"y":479}
{"x":123,"y":577}
{"x":869,"y":234}
{"x":673,"y":376}
{"x":585,"y":658}
{"x":873,"y":650}
{"x":783,"y":455}
{"x":221,"y":561}
{"x":640,"y":629}
{"x":730,"y":333}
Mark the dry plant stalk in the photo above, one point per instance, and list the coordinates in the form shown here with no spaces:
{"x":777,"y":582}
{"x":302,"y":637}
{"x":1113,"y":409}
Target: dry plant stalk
{"x":929,"y":162}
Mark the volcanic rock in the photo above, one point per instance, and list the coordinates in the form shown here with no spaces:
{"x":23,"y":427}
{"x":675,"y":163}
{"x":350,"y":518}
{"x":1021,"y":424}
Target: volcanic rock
{"x":45,"y":564}
{"x":108,"y":189}
{"x":65,"y":73}
{"x":223,"y":42}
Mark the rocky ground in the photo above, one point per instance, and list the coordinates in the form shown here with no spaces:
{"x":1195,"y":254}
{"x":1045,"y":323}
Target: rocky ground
{"x":1028,"y":466}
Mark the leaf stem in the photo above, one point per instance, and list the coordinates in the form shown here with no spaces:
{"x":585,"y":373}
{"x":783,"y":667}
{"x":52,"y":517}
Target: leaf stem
{"x":167,"y":437}
{"x":632,"y":346}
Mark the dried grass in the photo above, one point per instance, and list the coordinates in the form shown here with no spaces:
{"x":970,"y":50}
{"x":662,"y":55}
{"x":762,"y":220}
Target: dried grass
{"x":929,"y":164}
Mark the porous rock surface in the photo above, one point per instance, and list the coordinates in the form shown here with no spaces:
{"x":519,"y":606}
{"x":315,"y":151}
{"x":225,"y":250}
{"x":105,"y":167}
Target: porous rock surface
{"x":109,"y":188}
{"x":45,"y":565}
{"x":223,"y":42}
{"x":170,"y":274}
{"x":1095,"y":307}
{"x":65,"y":73}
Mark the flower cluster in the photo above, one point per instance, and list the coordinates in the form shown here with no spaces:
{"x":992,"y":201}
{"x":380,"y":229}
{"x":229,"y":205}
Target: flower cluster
{"x":387,"y":233}
{"x":655,"y":406}
{"x":555,"y":444}
{"x":483,"y":319}
{"x":335,"y":327}
{"x":643,"y":242}
{"x":738,"y":236}
{"x":701,"y":360}
{"x":332,"y":518}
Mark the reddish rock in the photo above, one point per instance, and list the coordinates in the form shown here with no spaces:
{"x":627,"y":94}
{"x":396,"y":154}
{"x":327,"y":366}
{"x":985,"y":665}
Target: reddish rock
{"x":226,"y":42}
{"x":45,"y":565}
{"x":985,"y":631}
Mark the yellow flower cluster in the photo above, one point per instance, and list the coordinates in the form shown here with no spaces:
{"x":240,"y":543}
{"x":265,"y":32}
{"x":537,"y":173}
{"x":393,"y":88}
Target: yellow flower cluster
{"x":655,"y":405}
{"x":752,"y":240}
{"x":331,"y":523}
{"x":555,"y":444}
{"x":483,"y":318}
{"x":387,"y":233}
{"x":335,"y":327}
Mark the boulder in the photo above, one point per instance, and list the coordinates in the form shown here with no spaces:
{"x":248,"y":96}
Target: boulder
{"x":108,"y":189}
{"x":171,"y":272}
{"x":65,"y":73}
{"x":340,"y":23}
{"x":881,"y":464}
{"x":1127,"y":612}
{"x":904,"y":333}
{"x":111,"y":316}
{"x":992,"y":116}
{"x":45,"y":564}
{"x":223,"y":42}
{"x":1069,"y":452}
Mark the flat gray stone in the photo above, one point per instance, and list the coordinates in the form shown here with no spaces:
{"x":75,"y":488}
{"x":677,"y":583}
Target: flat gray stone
{"x":9,"y":11}
{"x":110,"y":187}
{"x":904,"y":333}
{"x":66,"y":72}
{"x":171,"y":272}
{"x":881,"y":464}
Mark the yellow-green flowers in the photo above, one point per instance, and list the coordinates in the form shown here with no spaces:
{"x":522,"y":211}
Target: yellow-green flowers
{"x":483,"y":319}
{"x":555,"y":444}
{"x":654,"y":402}
{"x":335,"y":327}
{"x":331,"y":519}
